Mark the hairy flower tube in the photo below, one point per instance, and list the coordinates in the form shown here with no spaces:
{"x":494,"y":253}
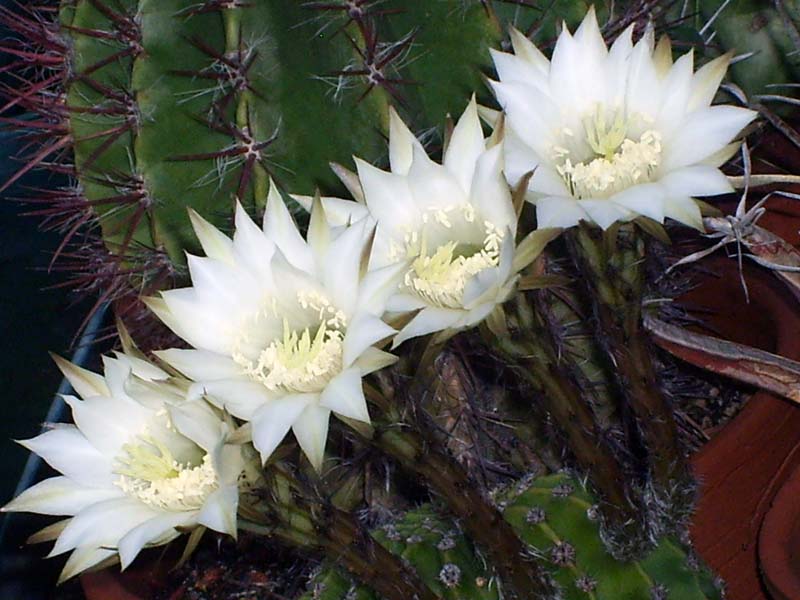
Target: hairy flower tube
{"x":139,"y":466}
{"x":283,"y":328}
{"x":614,"y":133}
{"x":452,"y":225}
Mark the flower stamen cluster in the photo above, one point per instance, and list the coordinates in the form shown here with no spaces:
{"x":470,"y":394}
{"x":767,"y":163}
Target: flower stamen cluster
{"x":148,"y":471}
{"x":614,"y":170}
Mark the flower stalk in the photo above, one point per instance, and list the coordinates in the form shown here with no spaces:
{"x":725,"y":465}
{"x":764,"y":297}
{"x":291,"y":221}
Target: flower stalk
{"x":417,"y":449}
{"x":299,"y":516}
{"x":613,"y":272}
{"x":534,"y":356}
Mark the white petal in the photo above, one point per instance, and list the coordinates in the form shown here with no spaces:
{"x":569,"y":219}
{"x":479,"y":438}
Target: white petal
{"x":82,"y":559}
{"x":59,"y":496}
{"x":282,"y":230}
{"x":605,"y":212}
{"x":490,"y":192}
{"x":466,"y":145}
{"x":378,"y":285}
{"x":311,"y":431}
{"x":707,"y":80}
{"x":342,"y":270}
{"x":427,"y":321}
{"x":240,"y":397}
{"x":103,"y":524}
{"x":432,"y":185}
{"x":645,"y":199}
{"x":200,"y":365}
{"x":215,"y":243}
{"x":272,"y":421}
{"x":153,"y":529}
{"x":678,"y":83}
{"x":684,"y":210}
{"x":219,"y":510}
{"x":516,"y":68}
{"x":344,"y":395}
{"x":107,"y":423}
{"x":387,"y":196}
{"x":531,"y":114}
{"x":85,"y":383}
{"x":519,"y":158}
{"x":527,"y":50}
{"x":401,"y":143}
{"x":402,"y":302}
{"x":67,"y":450}
{"x":644,"y":85}
{"x":558,"y":211}
{"x":697,"y":180}
{"x":548,"y":182}
{"x":252,"y":247}
{"x":197,"y":421}
{"x":362,"y":332}
{"x":703,"y":133}
{"x":373,"y":360}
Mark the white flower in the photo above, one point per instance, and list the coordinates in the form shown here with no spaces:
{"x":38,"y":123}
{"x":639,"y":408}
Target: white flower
{"x":452,"y":225}
{"x":614,"y":133}
{"x":138,"y":464}
{"x":283,"y":328}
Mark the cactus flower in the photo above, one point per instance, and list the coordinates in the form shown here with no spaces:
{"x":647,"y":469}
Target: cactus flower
{"x":283,"y":328}
{"x":614,"y":133}
{"x":453,"y":226}
{"x":139,"y":466}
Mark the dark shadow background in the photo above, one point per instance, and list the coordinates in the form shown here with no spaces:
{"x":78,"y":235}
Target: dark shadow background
{"x":34,"y":318}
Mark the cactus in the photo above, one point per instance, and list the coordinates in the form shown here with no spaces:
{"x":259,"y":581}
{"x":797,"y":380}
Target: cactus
{"x":155,"y":106}
{"x":557,"y":517}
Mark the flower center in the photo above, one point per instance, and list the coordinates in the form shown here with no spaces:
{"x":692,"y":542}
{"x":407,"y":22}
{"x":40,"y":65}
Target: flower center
{"x":441,"y":276}
{"x":150,"y":473}
{"x":302,"y":360}
{"x":618,"y":161}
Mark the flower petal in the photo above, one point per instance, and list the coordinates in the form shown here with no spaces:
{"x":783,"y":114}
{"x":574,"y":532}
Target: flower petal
{"x":67,"y":450}
{"x":401,"y":143}
{"x":311,"y":431}
{"x":103,"y":524}
{"x":153,"y":529}
{"x":558,"y":211}
{"x":240,"y":397}
{"x":274,"y":419}
{"x":344,"y":395}
{"x":200,"y":365}
{"x":59,"y":496}
{"x":282,"y":230}
{"x":364,"y":331}
{"x":219,"y":510}
{"x":465,"y":147}
{"x":427,"y":321}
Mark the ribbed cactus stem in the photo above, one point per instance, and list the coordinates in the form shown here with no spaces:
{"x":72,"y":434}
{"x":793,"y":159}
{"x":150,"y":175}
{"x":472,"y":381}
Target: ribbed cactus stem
{"x":612,"y":266}
{"x":534,"y":355}
{"x":299,"y":517}
{"x":523,"y":577}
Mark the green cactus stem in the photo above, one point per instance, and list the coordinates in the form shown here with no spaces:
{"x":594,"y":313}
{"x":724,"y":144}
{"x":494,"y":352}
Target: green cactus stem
{"x":611,"y":264}
{"x":558,"y":518}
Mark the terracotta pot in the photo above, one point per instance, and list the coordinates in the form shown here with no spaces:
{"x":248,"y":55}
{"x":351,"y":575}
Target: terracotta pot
{"x":744,"y":466}
{"x":779,"y":542}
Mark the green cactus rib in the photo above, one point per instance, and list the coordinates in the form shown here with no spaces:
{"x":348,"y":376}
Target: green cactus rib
{"x":556,"y":516}
{"x":750,"y":26}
